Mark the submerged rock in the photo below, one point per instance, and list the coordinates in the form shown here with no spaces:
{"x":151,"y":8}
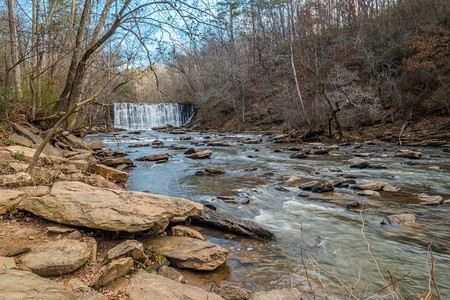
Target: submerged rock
{"x":156,"y":287}
{"x":372,"y":186}
{"x":229,"y":292}
{"x":57,"y":258}
{"x":230,"y":223}
{"x":79,"y":204}
{"x":400,"y":219}
{"x":283,"y":294}
{"x":189,"y":253}
{"x":322,"y":188}
{"x":300,"y":154}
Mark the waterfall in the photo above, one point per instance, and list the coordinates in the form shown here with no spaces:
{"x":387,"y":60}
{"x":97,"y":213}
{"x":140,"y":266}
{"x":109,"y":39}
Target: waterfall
{"x":149,"y":115}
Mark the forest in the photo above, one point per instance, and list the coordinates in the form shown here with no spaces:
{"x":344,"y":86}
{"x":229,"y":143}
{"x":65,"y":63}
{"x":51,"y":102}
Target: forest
{"x":320,"y":66}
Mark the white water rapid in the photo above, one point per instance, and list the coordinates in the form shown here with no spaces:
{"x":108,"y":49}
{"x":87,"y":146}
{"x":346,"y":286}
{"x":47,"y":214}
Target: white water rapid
{"x":149,"y":115}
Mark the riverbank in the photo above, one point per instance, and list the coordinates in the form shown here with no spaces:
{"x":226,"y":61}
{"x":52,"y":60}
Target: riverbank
{"x":247,"y":189}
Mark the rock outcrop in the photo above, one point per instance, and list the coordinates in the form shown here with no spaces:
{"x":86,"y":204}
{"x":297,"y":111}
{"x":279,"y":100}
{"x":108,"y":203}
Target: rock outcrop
{"x":79,"y":204}
{"x":8,"y":199}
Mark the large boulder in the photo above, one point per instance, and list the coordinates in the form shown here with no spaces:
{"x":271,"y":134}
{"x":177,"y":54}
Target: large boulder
{"x":111,"y":174}
{"x":189,"y":253}
{"x":76,"y":203}
{"x":233,"y":224}
{"x":18,"y":285}
{"x":156,"y":287}
{"x":8,"y":199}
{"x":57,"y":258}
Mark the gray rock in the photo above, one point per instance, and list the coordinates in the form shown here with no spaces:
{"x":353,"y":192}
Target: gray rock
{"x":116,"y":269}
{"x":155,"y":287}
{"x":129,"y":248}
{"x":19,"y":285}
{"x":20,"y":140}
{"x":301,"y":154}
{"x":78,"y":204}
{"x":57,"y":258}
{"x":189,"y":253}
{"x":310,"y":184}
{"x":171,"y":273}
{"x":230,"y":223}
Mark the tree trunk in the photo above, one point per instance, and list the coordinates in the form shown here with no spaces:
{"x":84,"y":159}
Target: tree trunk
{"x":17,"y":79}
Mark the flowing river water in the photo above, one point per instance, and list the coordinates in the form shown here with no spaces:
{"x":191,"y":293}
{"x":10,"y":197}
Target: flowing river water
{"x":331,"y":234}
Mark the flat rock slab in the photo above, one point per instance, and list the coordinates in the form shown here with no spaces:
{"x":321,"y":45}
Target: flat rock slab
{"x":57,"y":258}
{"x":200,"y":155}
{"x":156,"y":287}
{"x":7,"y":263}
{"x":189,"y":253}
{"x":19,"y":285}
{"x":8,"y":199}
{"x":111,"y":174}
{"x":27,"y":152}
{"x":78,"y":204}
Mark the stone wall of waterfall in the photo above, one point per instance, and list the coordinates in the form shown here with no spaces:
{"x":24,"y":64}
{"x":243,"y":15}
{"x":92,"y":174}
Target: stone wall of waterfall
{"x":149,"y":115}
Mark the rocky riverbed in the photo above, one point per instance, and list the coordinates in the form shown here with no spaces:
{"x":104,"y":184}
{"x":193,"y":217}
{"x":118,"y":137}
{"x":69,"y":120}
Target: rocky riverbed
{"x":239,"y":213}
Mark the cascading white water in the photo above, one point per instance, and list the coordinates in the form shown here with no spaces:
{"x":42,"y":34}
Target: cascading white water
{"x":149,"y":115}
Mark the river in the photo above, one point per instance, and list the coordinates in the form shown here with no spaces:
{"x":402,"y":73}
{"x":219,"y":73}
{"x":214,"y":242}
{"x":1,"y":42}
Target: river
{"x":332,"y":234}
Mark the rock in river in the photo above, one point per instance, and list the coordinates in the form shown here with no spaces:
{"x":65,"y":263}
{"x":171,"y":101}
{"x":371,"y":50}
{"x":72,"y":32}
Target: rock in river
{"x":409,"y":154}
{"x":189,"y":253}
{"x":57,"y":258}
{"x":233,"y":224}
{"x":156,"y":287}
{"x":200,"y":155}
{"x":76,"y":203}
{"x":400,"y":219}
{"x":17,"y":285}
{"x":358,"y":163}
{"x":162,"y":157}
